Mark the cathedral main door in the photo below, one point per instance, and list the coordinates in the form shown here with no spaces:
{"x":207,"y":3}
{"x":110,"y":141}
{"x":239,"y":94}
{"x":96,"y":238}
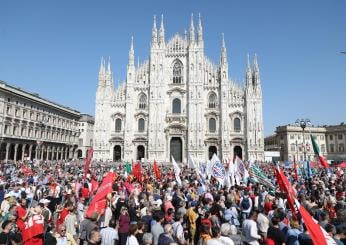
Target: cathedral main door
{"x":238,"y":151}
{"x":117,"y":153}
{"x":176,"y":149}
{"x":211,"y":151}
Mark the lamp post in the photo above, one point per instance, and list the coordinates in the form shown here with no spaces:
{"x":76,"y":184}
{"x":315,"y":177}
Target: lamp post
{"x":303,"y":123}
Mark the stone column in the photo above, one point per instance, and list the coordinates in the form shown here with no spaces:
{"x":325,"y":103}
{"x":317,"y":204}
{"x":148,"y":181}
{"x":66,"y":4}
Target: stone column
{"x":70,"y":152}
{"x":48,"y":150}
{"x":23,"y":151}
{"x":15,"y":152}
{"x":42,"y":150}
{"x":36,"y":152}
{"x":30,"y":149}
{"x":61,"y":153}
{"x":7,"y":151}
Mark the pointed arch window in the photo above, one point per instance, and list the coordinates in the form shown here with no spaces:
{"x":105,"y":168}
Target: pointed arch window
{"x":236,"y":124}
{"x":176,"y":106}
{"x":141,"y":125}
{"x":212,"y":101}
{"x":212,"y":125}
{"x":177,"y":72}
{"x":118,"y":125}
{"x":142,"y":103}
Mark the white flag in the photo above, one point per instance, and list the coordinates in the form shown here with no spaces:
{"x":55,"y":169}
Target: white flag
{"x":176,"y":171}
{"x":218,"y":171}
{"x":191,"y":162}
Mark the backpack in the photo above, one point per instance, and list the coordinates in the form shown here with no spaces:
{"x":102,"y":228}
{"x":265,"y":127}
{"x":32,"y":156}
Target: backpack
{"x":245,"y":203}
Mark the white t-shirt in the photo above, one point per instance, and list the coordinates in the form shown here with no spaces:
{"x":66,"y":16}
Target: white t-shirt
{"x":132,"y":240}
{"x":226,"y":240}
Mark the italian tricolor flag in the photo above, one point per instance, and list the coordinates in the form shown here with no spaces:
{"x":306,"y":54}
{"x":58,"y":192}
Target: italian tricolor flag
{"x":318,"y":153}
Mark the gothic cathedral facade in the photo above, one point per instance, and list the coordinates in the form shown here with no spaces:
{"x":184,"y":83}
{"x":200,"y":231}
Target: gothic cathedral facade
{"x":178,"y":103}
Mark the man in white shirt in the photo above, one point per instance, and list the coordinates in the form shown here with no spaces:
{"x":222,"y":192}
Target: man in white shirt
{"x":109,"y":234}
{"x":250,"y":231}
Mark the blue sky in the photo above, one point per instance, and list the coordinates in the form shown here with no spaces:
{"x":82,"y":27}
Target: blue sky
{"x":54,"y":48}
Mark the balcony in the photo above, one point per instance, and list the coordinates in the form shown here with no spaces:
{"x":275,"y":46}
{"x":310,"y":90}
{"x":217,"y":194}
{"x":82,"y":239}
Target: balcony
{"x":176,"y":118}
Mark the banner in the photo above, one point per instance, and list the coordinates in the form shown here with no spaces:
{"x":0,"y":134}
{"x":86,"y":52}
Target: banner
{"x":103,"y":190}
{"x":34,"y":226}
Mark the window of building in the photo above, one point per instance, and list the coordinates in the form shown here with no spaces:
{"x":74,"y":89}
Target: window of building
{"x":331,"y":137}
{"x":16,"y":113}
{"x":331,"y":146}
{"x":142,"y":102}
{"x":80,"y":142}
{"x":293,"y":147}
{"x":212,"y":101}
{"x":8,"y":100}
{"x":291,"y":136}
{"x":8,"y":110}
{"x":24,"y":114}
{"x":177,"y":72}
{"x":236,"y":124}
{"x":6,"y":129}
{"x":118,"y":125}
{"x":141,"y":124}
{"x":212,"y":125}
{"x":341,"y":147}
{"x":322,"y":137}
{"x":176,"y":106}
{"x":323,"y":148}
{"x":14,"y":130}
{"x":22,"y":132}
{"x":340,"y":136}
{"x":30,"y":133}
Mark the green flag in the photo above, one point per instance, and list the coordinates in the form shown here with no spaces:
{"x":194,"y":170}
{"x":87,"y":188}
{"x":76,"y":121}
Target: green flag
{"x":128,"y":168}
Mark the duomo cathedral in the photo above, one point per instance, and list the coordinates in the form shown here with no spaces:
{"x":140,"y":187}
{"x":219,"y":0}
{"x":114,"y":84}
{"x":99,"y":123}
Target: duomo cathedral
{"x":178,"y":103}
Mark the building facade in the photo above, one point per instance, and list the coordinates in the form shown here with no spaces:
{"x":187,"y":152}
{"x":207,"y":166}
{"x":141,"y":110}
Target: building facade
{"x":86,"y":134}
{"x":34,"y":128}
{"x":178,"y":103}
{"x":336,"y":141}
{"x":288,"y":140}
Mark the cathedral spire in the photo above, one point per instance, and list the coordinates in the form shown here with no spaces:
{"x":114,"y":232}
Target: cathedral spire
{"x":102,"y":68}
{"x":256,"y":75}
{"x":109,"y":65}
{"x":161,"y":32}
{"x":154,"y":32}
{"x":223,"y":51}
{"x":248,"y":71}
{"x":192,"y":31}
{"x":199,"y":30}
{"x":131,"y":54}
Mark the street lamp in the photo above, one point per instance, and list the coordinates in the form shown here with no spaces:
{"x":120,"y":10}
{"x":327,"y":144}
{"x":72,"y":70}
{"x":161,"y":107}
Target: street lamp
{"x":303,"y":123}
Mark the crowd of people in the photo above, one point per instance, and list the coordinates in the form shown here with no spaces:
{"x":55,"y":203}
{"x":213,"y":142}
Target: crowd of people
{"x":47,"y":203}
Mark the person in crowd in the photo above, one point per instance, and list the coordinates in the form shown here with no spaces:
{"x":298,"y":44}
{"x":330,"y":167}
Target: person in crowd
{"x":109,"y":234}
{"x":124,"y":225}
{"x":250,"y":230}
{"x":131,"y":238}
{"x":166,"y":238}
{"x":157,"y":229}
{"x":63,"y":237}
{"x":95,"y":237}
{"x":274,"y":233}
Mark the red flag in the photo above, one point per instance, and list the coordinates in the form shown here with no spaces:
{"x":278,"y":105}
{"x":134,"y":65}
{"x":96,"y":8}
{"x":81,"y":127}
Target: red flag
{"x":157,"y":171}
{"x":26,"y":171}
{"x":87,"y":162}
{"x":103,"y":190}
{"x":137,"y":171}
{"x":34,"y":226}
{"x":317,"y":234}
{"x":295,"y":168}
{"x":286,"y":187}
{"x":94,"y":185}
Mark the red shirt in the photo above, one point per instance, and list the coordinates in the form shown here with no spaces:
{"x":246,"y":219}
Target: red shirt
{"x":21,"y":212}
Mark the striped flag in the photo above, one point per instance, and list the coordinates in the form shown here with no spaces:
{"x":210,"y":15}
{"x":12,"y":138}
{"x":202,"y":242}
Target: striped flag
{"x":318,"y":153}
{"x":257,"y":176}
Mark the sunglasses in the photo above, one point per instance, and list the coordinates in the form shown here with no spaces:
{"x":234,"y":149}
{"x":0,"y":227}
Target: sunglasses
{"x":62,"y":230}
